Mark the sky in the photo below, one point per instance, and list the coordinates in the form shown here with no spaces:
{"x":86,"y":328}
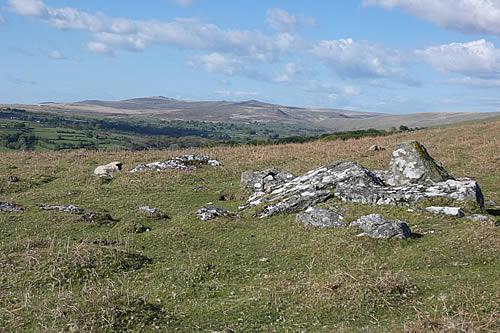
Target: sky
{"x":393,"y":56}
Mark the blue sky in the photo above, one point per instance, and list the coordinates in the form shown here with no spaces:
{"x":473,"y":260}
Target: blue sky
{"x":396,"y":56}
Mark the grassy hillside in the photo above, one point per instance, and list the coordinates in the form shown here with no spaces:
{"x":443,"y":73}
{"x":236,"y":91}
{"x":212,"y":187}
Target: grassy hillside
{"x":246,"y":275}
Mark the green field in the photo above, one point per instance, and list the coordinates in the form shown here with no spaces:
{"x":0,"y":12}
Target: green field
{"x":242,"y":275}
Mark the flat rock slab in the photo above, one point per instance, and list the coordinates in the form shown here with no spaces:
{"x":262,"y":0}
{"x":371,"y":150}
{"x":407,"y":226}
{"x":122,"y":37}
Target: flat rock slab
{"x":321,"y":218}
{"x":10,"y":207}
{"x":208,"y":213}
{"x":67,"y":209}
{"x":265,"y":180}
{"x":183,"y":162}
{"x":375,"y":226}
{"x":451,"y":211}
{"x":152,"y":212}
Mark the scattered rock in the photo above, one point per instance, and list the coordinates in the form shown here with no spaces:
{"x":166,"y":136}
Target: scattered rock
{"x":322,"y":218}
{"x":96,"y":218}
{"x":209,"y":213}
{"x":265,"y":180}
{"x":152,"y":212}
{"x":107,"y":171}
{"x":375,"y":226}
{"x":452,"y":211}
{"x":140,"y":228}
{"x":376,"y":148}
{"x":480,"y":218}
{"x":10,"y":207}
{"x":184,"y":162}
{"x":67,"y":209}
{"x":412,"y":164}
{"x":13,"y":179}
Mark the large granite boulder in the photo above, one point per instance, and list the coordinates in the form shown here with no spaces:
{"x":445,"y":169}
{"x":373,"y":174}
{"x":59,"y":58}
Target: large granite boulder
{"x":375,"y":226}
{"x":321,"y":218}
{"x":108,"y":170}
{"x":412,"y":164}
{"x":183,"y":162}
{"x":265,"y":180}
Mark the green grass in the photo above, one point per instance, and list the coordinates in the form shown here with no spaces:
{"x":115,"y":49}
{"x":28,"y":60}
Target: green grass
{"x":247,"y":275}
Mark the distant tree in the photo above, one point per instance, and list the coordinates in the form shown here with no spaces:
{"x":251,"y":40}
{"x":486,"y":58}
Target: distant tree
{"x":404,"y":128}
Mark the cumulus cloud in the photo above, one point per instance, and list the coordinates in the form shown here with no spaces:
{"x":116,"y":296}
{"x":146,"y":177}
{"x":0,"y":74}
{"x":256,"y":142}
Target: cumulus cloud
{"x":136,"y":35}
{"x":282,"y":20}
{"x":351,"y":59}
{"x":477,"y":59}
{"x":216,"y":63}
{"x":469,"y":16}
{"x":100,"y":48}
{"x":28,"y":7}
{"x":290,"y":73}
{"x":56,"y":55}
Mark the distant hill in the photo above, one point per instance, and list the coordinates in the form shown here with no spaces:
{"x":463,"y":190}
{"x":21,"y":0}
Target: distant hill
{"x":255,"y":111}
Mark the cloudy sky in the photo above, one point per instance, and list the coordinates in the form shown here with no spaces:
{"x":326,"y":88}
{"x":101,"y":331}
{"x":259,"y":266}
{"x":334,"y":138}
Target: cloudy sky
{"x":396,"y":56}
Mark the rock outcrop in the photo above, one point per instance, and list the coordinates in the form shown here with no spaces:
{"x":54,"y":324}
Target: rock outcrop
{"x":451,"y":211}
{"x":10,"y":207}
{"x":412,"y":164}
{"x":184,"y":162}
{"x":321,"y":218}
{"x":108,"y":170}
{"x":152,"y":212}
{"x":375,"y":226}
{"x":67,"y":209}
{"x":209,"y":213}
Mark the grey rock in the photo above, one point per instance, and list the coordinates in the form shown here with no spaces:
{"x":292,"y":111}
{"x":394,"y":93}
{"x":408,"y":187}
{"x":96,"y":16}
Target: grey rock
{"x":265,"y":180}
{"x":140,"y":228}
{"x":108,"y":170}
{"x":13,"y":179}
{"x":321,"y":218}
{"x":480,"y":218}
{"x":10,"y":207}
{"x":96,"y":218}
{"x":491,"y":203}
{"x":451,"y":211}
{"x":376,"y":148}
{"x":412,"y":164}
{"x":375,"y":226}
{"x":67,"y":209}
{"x":209,"y":213}
{"x":184,"y":162}
{"x":152,"y":212}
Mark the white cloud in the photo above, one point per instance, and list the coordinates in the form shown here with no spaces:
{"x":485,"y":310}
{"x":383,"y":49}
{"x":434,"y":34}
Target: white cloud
{"x":100,"y":48}
{"x":475,"y":82}
{"x":236,"y":94}
{"x":216,"y":63}
{"x":469,"y":16}
{"x":281,"y":20}
{"x":184,"y":2}
{"x":478,"y":58}
{"x":136,"y":35}
{"x":351,"y":59}
{"x":28,"y":7}
{"x":56,"y":55}
{"x":291,"y":71}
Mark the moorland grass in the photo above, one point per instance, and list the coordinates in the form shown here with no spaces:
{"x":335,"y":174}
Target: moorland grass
{"x":248,"y":274}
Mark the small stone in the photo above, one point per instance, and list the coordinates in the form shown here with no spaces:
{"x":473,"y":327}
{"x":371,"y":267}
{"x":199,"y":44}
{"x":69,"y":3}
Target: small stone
{"x":451,"y":211}
{"x":183,"y":162}
{"x":107,"y":171}
{"x":480,"y":218}
{"x":376,"y":148}
{"x":96,"y":218}
{"x":13,"y":179}
{"x":139,"y":228}
{"x":321,"y":218}
{"x":11,"y":207}
{"x":67,"y":209}
{"x":152,"y":212}
{"x":209,"y":213}
{"x":375,"y":226}
{"x":265,"y":180}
